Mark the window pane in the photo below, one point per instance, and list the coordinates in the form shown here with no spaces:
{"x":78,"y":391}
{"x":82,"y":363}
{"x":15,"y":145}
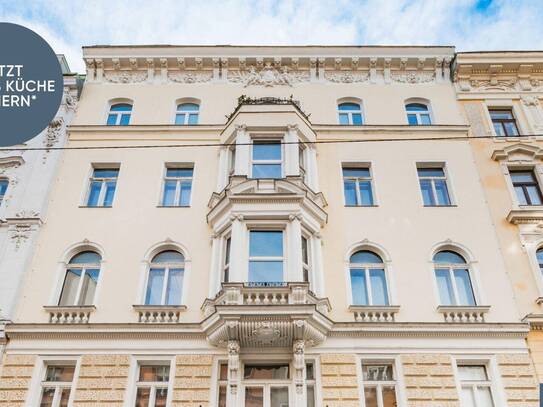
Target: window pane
{"x":349,"y":189}
{"x":511,"y":129}
{"x":425,"y":119}
{"x":343,"y":118}
{"x":175,"y":287}
{"x":254,"y":397}
{"x":485,"y":397}
{"x":110,"y":193}
{"x":305,"y":257}
{"x":184,"y":199}
{"x":522,"y":176}
{"x":88,"y":288}
{"x":366,"y":257}
{"x":87,"y":257}
{"x":69,"y":290}
{"x":359,"y":287}
{"x":520,"y":196}
{"x":169,"y":193}
{"x":366,"y":193}
{"x":498,"y":128}
{"x":448,"y":257}
{"x":539,"y":256}
{"x":154,"y":287}
{"x":348,"y":106}
{"x":94,"y":193}
{"x":223,"y":371}
{"x":464,"y":288}
{"x":59,"y":373}
{"x":501,"y":114}
{"x":142,"y":397}
{"x":370,"y":395}
{"x":412,"y":119}
{"x":378,"y":287}
{"x":179,"y":172}
{"x":427,"y":192}
{"x":154,"y":373}
{"x":105,"y":173}
{"x":112,"y":120}
{"x":472,"y":372}
{"x":161,"y":396}
{"x":444,"y":285}
{"x":193,"y":119}
{"x":3,"y":187}
{"x":467,"y":397}
{"x":357,"y":118}
{"x":47,"y":396}
{"x":266,"y":171}
{"x":188,"y":107}
{"x":222,"y":396}
{"x":265,"y":271}
{"x":266,"y":372}
{"x":310,"y":396}
{"x":416,"y":107}
{"x":309,"y":371}
{"x":266,"y":244}
{"x":389,"y":396}
{"x":534,"y":194}
{"x":442,"y":192}
{"x":356,"y":172}
{"x":430,"y":172}
{"x":168,"y":256}
{"x":125,"y":120}
{"x":279,"y":397}
{"x":179,"y":119}
{"x":266,"y":150}
{"x":64,"y":397}
{"x":121,"y":107}
{"x":374,"y":373}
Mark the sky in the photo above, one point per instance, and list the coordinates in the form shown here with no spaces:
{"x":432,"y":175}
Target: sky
{"x":469,"y":25}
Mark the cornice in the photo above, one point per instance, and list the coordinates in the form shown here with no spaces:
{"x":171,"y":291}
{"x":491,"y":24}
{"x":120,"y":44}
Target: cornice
{"x":525,"y":216}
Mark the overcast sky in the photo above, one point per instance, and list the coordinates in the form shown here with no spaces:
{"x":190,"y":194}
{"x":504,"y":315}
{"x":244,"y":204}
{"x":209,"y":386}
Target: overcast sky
{"x":467,"y":24}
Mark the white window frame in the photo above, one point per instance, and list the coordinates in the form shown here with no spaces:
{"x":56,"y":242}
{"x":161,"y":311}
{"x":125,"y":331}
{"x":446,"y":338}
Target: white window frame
{"x":534,"y":169}
{"x":2,"y":181}
{"x":166,"y":267}
{"x":187,"y":113}
{"x":418,"y":114}
{"x":282,"y":259}
{"x":103,"y":187}
{"x":266,"y":140}
{"x":451,"y":267}
{"x":446,"y":177}
{"x":509,"y":105}
{"x":267,"y":385}
{"x":40,"y":370}
{"x":302,"y":161}
{"x":359,"y":165}
{"x":119,"y":113}
{"x":83,"y":267}
{"x":136,"y":362}
{"x":398,"y":382}
{"x":307,"y":267}
{"x":367,"y":267}
{"x":179,"y":180}
{"x":226,"y":252}
{"x":492,"y":371}
{"x":350,"y":113}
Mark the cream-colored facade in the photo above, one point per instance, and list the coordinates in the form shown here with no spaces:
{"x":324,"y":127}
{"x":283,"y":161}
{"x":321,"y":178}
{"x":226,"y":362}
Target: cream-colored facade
{"x":304,"y":317}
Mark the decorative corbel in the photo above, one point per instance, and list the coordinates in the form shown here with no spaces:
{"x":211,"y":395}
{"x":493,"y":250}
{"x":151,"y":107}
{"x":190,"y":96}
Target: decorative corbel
{"x":259,"y":62}
{"x":133,"y":62}
{"x":199,"y":63}
{"x":337,"y":64}
{"x":91,"y":69}
{"x":386,"y":72}
{"x":242,"y":64}
{"x":181,"y":63}
{"x":216,"y":68}
{"x":439,"y":69}
{"x":99,"y":69}
{"x":354,"y":63}
{"x":373,"y":70}
{"x":164,"y":69}
{"x":116,"y":63}
{"x":233,"y":365}
{"x":313,"y":69}
{"x":294,"y":64}
{"x":420,"y":63}
{"x":298,"y":362}
{"x":277,"y":62}
{"x":224,"y":69}
{"x":320,"y":67}
{"x":150,"y":69}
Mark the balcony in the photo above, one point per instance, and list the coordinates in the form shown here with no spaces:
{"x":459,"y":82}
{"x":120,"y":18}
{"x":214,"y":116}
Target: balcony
{"x":463,"y":314}
{"x":70,"y":314}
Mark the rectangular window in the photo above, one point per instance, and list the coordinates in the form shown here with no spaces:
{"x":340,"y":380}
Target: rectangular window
{"x":369,"y":286}
{"x":177,"y":186}
{"x":357,"y":184}
{"x":504,"y":122}
{"x":526,"y":187}
{"x":310,"y":384}
{"x":226,"y":265}
{"x":266,"y":256}
{"x":57,"y":385}
{"x":3,"y":188}
{"x":305,"y":259}
{"x":379,"y":383}
{"x":301,"y":158}
{"x":475,"y":385}
{"x":433,"y":186}
{"x":267,"y":159}
{"x":223,"y":384}
{"x":152,"y":385}
{"x":102,"y":186}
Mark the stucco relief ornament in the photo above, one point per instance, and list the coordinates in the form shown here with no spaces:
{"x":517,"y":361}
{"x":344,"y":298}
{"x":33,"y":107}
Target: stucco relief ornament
{"x":298,"y":349}
{"x":266,"y":333}
{"x":52,"y":135}
{"x":268,"y":76}
{"x":70,"y":101}
{"x":233,"y":365}
{"x":190,"y":77}
{"x":125,"y":77}
{"x":19,"y":234}
{"x":346,"y":77}
{"x":27,"y":213}
{"x":530,"y":100}
{"x":414,"y":77}
{"x":493,"y":84}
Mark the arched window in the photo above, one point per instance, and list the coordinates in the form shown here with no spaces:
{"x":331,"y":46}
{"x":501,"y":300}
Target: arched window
{"x":453,"y":279}
{"x":187,"y":113}
{"x":368,"y":279}
{"x":81,"y":279}
{"x":119,"y":114}
{"x":418,"y":114}
{"x":350,"y":113}
{"x":3,"y":188}
{"x":539,"y":256}
{"x":165,"y":280}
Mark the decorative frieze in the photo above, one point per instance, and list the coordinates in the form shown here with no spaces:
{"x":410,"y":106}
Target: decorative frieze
{"x":347,"y":77}
{"x":190,"y":77}
{"x":268,"y":76}
{"x":413,"y":77}
{"x":125,"y":76}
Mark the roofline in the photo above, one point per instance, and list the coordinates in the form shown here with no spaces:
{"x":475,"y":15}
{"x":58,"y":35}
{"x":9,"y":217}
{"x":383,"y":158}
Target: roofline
{"x":264,"y":46}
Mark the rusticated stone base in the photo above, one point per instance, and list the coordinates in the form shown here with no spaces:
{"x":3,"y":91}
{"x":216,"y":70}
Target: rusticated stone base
{"x":519,"y":380}
{"x":192,"y":384}
{"x":15,"y":378}
{"x":339,"y":381}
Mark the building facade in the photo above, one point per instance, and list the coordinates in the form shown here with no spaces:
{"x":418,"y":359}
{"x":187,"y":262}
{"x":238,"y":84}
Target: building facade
{"x":268,"y":226}
{"x":500,"y":94}
{"x":25,"y":180}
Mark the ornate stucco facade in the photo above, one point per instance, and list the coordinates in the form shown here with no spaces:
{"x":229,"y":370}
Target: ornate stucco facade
{"x":26,"y":178}
{"x":269,"y":226}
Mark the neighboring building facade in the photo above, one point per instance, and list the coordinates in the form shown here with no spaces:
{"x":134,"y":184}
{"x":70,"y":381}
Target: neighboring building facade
{"x":501,"y":96}
{"x":25,"y":180}
{"x":329,"y":248}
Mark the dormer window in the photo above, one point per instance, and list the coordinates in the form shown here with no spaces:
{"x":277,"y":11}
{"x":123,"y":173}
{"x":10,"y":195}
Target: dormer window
{"x":267,"y":159}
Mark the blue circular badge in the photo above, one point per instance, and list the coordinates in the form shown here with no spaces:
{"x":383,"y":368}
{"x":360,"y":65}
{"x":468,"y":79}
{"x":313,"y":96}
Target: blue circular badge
{"x":31,"y":84}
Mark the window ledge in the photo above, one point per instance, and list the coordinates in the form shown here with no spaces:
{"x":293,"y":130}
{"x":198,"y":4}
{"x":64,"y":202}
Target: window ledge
{"x":374,"y":313}
{"x":69,"y":314}
{"x":173,"y":206}
{"x":159,"y":314}
{"x":440,"y":206}
{"x":526,"y":214}
{"x":95,"y":207}
{"x":463,"y":313}
{"x":361,"y":206}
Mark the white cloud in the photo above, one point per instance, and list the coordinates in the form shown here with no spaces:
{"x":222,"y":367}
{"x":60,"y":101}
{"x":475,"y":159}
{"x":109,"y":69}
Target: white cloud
{"x":67,"y":25}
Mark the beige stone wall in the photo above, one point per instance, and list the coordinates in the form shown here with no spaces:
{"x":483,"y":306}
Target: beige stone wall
{"x":339,"y":381}
{"x":102,"y":380}
{"x":192,"y":384}
{"x":535,"y":344}
{"x":15,"y":378}
{"x":429,"y":380}
{"x":519,"y":380}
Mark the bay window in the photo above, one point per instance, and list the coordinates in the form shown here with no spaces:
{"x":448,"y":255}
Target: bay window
{"x":266,"y":257}
{"x":267,"y":159}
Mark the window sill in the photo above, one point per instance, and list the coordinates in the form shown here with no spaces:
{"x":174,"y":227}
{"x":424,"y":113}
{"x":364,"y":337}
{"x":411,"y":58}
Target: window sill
{"x":159,"y":314}
{"x":463,"y":313}
{"x":374,"y":313}
{"x":440,"y":206}
{"x":69,"y":314}
{"x":95,"y":207}
{"x":173,"y":206}
{"x":361,"y":206}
